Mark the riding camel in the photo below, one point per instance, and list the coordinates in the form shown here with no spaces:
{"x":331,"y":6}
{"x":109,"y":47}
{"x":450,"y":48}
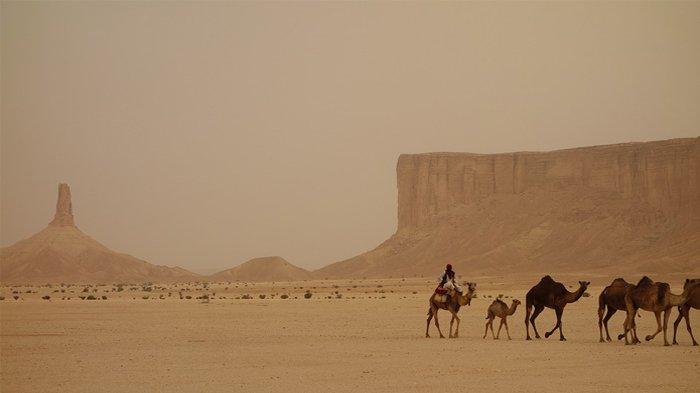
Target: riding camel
{"x":613,"y":298}
{"x":651,"y":296}
{"x":684,"y":310}
{"x":453,"y":304}
{"x":499,"y":309}
{"x":551,"y":294}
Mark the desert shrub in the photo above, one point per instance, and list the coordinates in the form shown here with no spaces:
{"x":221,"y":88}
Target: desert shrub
{"x":246,"y":296}
{"x":161,"y":297}
{"x":261,"y":296}
{"x":586,"y":294}
{"x":500,"y":295}
{"x":15,"y":297}
{"x":188,"y":297}
{"x":338,"y":295}
{"x":415,"y":292}
{"x":144,"y":297}
{"x":308,"y":295}
{"x":82,"y":297}
{"x":285,"y":296}
{"x":86,"y":289}
{"x":104,"y":297}
{"x":2,"y":297}
{"x":46,"y":297}
{"x":91,"y":297}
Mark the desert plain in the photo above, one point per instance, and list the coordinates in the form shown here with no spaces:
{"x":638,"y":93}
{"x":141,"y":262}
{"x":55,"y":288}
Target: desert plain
{"x":350,"y":335}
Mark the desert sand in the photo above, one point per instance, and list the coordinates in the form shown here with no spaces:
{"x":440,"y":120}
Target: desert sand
{"x":368,"y":338}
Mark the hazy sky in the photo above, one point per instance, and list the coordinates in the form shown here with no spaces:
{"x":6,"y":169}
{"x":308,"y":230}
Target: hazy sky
{"x":202,"y":135}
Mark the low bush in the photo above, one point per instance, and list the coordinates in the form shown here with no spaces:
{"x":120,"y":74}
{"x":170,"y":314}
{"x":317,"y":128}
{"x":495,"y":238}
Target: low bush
{"x":46,"y":297}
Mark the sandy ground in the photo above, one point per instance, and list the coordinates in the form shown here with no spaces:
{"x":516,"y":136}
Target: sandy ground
{"x":374,"y":342}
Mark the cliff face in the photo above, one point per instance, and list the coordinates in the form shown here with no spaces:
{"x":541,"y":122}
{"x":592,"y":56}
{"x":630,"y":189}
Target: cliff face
{"x":665,"y":175}
{"x":618,"y":209}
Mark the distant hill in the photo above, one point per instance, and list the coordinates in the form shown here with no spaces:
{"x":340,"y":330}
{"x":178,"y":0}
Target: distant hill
{"x":619,"y":209}
{"x":263,"y":269}
{"x":62,"y":253}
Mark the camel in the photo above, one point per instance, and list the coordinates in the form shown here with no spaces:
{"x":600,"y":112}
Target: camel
{"x":551,"y":294}
{"x":499,"y":309}
{"x":453,"y":305}
{"x":684,"y":310}
{"x":613,"y":298}
{"x":655,"y":297}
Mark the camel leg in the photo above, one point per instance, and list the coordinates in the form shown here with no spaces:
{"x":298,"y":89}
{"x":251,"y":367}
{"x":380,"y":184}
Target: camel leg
{"x":505,"y":322}
{"x":452,"y":321}
{"x":601,"y":310}
{"x":667,"y":314}
{"x":492,"y":333}
{"x":686,"y":314}
{"x":610,"y":313}
{"x":650,"y":337}
{"x":629,"y":325}
{"x":528,"y":309}
{"x":676,"y":323}
{"x":538,"y":310}
{"x":437,"y":324}
{"x":486,"y":328}
{"x":559,"y":312}
{"x":498,"y":333}
{"x":457,"y":327}
{"x":427,"y":326}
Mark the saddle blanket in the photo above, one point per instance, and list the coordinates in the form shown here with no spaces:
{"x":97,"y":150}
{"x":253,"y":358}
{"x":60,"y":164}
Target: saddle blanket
{"x":440,"y":298}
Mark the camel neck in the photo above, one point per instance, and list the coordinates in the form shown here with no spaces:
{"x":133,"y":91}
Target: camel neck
{"x":512,"y":308}
{"x":574,"y":296}
{"x":676,"y":300}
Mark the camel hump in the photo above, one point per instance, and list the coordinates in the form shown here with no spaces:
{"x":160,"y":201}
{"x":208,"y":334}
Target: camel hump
{"x":547,"y":279}
{"x":499,"y":301}
{"x":664,"y":288}
{"x":645,"y":281}
{"x":619,"y":281}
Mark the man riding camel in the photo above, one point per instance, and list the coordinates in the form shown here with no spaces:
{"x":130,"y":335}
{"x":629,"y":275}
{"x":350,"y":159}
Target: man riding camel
{"x":448,"y":281}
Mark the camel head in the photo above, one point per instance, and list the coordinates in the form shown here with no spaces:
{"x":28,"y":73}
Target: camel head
{"x":466,"y":299}
{"x":516,"y":302}
{"x":584,"y":285}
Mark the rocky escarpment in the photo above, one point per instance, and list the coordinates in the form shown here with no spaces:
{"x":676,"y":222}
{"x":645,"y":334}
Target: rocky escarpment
{"x":625,"y":208}
{"x":664,"y":175}
{"x":63,"y":253}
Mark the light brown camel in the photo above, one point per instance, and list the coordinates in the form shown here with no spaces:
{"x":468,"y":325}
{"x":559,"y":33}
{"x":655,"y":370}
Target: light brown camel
{"x":655,"y":297}
{"x":499,"y":309}
{"x":456,"y":300}
{"x":551,"y":294}
{"x":684,"y":310}
{"x":613,"y":298}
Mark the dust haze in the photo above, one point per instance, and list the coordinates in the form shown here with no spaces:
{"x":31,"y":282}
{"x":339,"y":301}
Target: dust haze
{"x":205,"y":135}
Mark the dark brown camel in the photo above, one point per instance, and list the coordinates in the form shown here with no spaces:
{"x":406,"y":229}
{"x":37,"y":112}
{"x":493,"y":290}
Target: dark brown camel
{"x":613,"y":298}
{"x":684,"y":310}
{"x":551,"y":294}
{"x":453,"y":305}
{"x":655,"y":297}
